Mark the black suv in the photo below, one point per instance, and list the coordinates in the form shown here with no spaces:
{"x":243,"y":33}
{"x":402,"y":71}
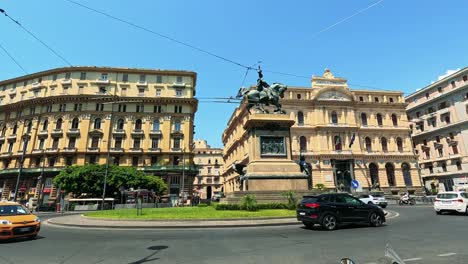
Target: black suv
{"x":330,"y":210}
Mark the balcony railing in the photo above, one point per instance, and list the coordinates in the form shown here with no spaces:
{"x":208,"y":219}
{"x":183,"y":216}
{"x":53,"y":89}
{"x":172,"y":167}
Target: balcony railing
{"x":2,"y":138}
{"x":66,"y":81}
{"x":118,"y":132}
{"x":155,"y":132}
{"x":135,"y":150}
{"x":102,"y":81}
{"x":137,"y":132}
{"x":69,"y":150}
{"x":10,"y":137}
{"x":438,"y":145}
{"x":154,"y":150}
{"x":116,"y":150}
{"x":73,"y":131}
{"x":57,"y":132}
{"x":179,"y":85}
{"x":93,"y":149}
{"x":43,"y":133}
{"x":37,"y":151}
{"x":52,"y":150}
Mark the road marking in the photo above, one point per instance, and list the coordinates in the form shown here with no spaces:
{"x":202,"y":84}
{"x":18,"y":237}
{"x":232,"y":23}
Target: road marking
{"x":446,"y":254}
{"x":412,"y":259}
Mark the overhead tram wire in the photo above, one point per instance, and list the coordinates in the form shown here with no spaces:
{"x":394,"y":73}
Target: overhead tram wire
{"x":37,"y":38}
{"x":13,"y":59}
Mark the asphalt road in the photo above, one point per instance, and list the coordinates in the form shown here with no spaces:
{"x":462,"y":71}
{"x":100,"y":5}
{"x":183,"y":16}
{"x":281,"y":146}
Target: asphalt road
{"x":417,"y":235}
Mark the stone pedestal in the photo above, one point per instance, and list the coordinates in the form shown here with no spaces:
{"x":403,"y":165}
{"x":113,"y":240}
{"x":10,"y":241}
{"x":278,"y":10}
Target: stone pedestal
{"x":270,"y":166}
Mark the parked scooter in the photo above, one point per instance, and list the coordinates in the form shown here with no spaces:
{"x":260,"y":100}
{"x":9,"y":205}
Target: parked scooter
{"x":391,"y":257}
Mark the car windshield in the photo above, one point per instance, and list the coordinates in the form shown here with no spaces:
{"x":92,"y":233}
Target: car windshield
{"x":447,"y":196}
{"x":13,"y":210}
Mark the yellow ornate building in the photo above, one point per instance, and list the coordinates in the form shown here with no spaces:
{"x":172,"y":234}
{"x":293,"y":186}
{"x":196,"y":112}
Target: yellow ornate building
{"x":78,"y":115}
{"x":209,"y":180}
{"x":344,"y":134}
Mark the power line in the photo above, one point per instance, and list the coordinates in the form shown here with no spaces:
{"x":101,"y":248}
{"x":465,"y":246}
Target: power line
{"x":13,"y":59}
{"x":34,"y":36}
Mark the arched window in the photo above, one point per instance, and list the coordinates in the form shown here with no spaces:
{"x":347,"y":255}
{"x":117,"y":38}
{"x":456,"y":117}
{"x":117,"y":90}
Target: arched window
{"x":156,"y":125}
{"x":138,"y":124}
{"x":75,"y":122}
{"x":405,"y":168}
{"x":384,"y":145}
{"x":58,"y":125}
{"x":379,"y":119}
{"x":29,"y":127}
{"x":337,"y":143}
{"x":374,"y":173}
{"x":364,"y":119}
{"x":368,"y":144}
{"x":45,"y":125}
{"x":399,"y":143}
{"x":302,"y":143}
{"x":177,"y":126}
{"x":390,"y":169}
{"x":120,"y":124}
{"x":97,"y":123}
{"x":394,"y":120}
{"x":334,"y":118}
{"x":3,"y":131}
{"x":15,"y":128}
{"x":300,"y":118}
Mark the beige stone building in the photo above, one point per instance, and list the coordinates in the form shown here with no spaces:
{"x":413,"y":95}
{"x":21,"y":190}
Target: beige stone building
{"x":78,"y":115}
{"x":439,"y":126}
{"x":344,"y":134}
{"x":209,"y":180}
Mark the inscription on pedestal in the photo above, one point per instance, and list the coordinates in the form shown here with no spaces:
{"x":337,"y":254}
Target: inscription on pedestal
{"x":272,"y":146}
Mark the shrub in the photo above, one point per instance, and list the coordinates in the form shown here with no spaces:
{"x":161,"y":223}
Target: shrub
{"x":320,"y":186}
{"x":249,"y":203}
{"x":264,"y":206}
{"x":292,"y":201}
{"x":202,"y":205}
{"x":272,"y":206}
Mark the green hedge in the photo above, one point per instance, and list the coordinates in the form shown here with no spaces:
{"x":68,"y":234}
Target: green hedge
{"x":257,"y":206}
{"x":202,"y":205}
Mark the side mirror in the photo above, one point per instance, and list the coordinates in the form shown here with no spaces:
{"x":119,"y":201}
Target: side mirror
{"x":346,"y":261}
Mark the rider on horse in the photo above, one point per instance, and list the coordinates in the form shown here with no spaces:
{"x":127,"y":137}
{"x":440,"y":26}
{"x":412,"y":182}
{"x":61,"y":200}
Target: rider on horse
{"x":263,"y":87}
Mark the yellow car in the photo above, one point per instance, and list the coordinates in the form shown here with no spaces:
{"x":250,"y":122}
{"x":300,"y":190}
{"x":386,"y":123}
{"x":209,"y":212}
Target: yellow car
{"x":17,"y":221}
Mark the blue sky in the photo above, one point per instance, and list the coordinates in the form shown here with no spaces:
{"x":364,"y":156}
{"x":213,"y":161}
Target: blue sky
{"x":397,"y":44}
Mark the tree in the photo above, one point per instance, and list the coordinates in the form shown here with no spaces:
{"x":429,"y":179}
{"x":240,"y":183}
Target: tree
{"x":89,"y":179}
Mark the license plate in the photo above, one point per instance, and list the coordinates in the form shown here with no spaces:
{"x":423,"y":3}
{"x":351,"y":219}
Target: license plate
{"x":25,"y":229}
{"x":301,"y":213}
{"x":446,"y":202}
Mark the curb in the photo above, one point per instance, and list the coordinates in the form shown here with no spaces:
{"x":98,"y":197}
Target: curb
{"x":188,"y":220}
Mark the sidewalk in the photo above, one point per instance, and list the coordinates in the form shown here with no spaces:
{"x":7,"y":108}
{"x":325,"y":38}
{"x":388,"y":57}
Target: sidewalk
{"x":77,"y":220}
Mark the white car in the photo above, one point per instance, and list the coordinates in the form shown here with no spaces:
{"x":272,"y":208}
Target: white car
{"x":451,"y":202}
{"x":377,"y":199}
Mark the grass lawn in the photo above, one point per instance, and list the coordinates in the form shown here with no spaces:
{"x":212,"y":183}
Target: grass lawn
{"x":188,"y":213}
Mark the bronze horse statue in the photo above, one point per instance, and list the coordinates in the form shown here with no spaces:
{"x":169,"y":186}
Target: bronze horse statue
{"x":268,"y":95}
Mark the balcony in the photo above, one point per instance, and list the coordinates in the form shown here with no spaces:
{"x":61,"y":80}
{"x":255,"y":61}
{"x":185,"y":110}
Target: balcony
{"x":37,"y":85}
{"x":57,"y":132}
{"x":11,"y":137}
{"x":178,"y":85}
{"x":425,"y":147}
{"x":438,"y":145}
{"x":451,"y":141}
{"x":69,"y":150}
{"x":2,"y":138}
{"x":7,"y":154}
{"x":154,"y":150}
{"x":116,"y":150}
{"x":66,"y":81}
{"x":177,"y":132}
{"x":137,"y":132}
{"x":52,"y":150}
{"x":43,"y":133}
{"x":118,"y":132}
{"x":12,"y":92}
{"x":102,"y":81}
{"x":155,"y":133}
{"x":37,"y":151}
{"x":73,"y":131}
{"x":135,"y":150}
{"x":93,"y":149}
{"x":140,"y":83}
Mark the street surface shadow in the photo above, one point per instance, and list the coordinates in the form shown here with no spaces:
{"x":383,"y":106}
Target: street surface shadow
{"x":341,"y":227}
{"x":149,"y":258}
{"x":19,"y":240}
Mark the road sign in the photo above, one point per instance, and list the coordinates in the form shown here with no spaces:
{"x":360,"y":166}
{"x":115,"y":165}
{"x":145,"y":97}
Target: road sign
{"x":355,"y":184}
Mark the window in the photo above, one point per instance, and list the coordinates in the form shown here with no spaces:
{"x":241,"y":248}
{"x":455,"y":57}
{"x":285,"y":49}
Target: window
{"x":83,"y":76}
{"x":155,"y":143}
{"x":368,"y":144}
{"x":175,"y":160}
{"x":65,"y":89}
{"x":178,"y":92}
{"x":439,"y":89}
{"x":374,"y":173}
{"x":390,"y":169}
{"x":97,"y":123}
{"x":122,"y":108}
{"x":177,"y":109}
{"x":55,"y":143}
{"x":93,"y":159}
{"x":441,"y":152}
{"x":124,"y":91}
{"x":142,"y":78}
{"x":157,"y":109}
{"x":72,"y":142}
{"x":364,"y":119}
{"x":300,"y":118}
{"x":80,"y":89}
{"x":298,"y":96}
{"x":102,"y":89}
{"x":45,"y":125}
{"x":32,"y":110}
{"x":37,"y":162}
{"x":443,"y":105}
{"x":394,"y":120}
{"x":447,"y":119}
{"x":136,"y":143}
{"x":379,"y":120}
{"x":103,"y":76}
{"x":63,"y":107}
{"x":452,"y":83}
{"x":99,"y":107}
{"x":25,"y":83}
{"x":179,"y":79}
{"x":69,"y":161}
{"x":337,"y":142}
{"x":52,"y":161}
{"x":54,"y":77}
{"x":15,"y":128}
{"x":125,"y":77}
{"x":94,"y":142}
{"x":140,"y":108}
{"x":444,"y":166}
{"x":36,"y":93}
{"x":3,"y":131}
{"x":361,"y":99}
{"x":427,"y":153}
{"x":159,"y":79}
{"x":58,"y":125}
{"x":418,"y":114}
{"x":208,"y":170}
{"x":138,"y":124}
{"x":177,"y":143}
{"x":156,"y":125}
{"x":334,"y":118}
{"x":158,"y":92}
{"x":427,"y":95}
{"x":431,"y":168}
{"x":177,"y":126}
{"x":120,"y":124}
{"x":141,"y":91}
{"x":459,"y":166}
{"x":391,"y":100}
{"x":116,"y":160}
{"x":135,"y":161}
{"x":303,"y":143}
{"x":78,"y":107}
{"x":399,"y":142}
{"x":154,"y":160}
{"x":75,"y":122}
{"x":384,"y":145}
{"x":118,"y":143}
{"x":407,"y":174}
{"x":376,"y":99}
{"x":465,"y":78}
{"x":455,"y":149}
{"x":10,"y":147}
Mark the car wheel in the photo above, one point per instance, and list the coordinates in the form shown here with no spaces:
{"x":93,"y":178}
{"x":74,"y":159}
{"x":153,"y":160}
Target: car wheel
{"x":400,"y":202}
{"x":32,"y":237}
{"x":308,"y":225}
{"x":370,"y":203}
{"x":466,"y":210}
{"x":384,"y":206}
{"x":375,"y":219}
{"x":438,"y":212}
{"x":329,"y":222}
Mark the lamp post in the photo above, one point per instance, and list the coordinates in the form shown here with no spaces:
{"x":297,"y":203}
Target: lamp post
{"x":20,"y":170}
